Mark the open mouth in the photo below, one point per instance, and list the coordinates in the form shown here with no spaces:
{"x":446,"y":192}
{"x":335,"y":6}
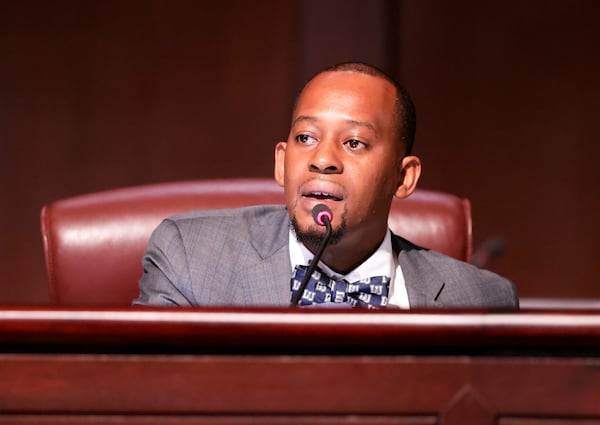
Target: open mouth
{"x":322,"y":196}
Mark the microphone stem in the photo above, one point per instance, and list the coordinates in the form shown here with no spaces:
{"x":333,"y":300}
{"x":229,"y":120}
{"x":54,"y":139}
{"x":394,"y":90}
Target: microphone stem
{"x":313,"y":264}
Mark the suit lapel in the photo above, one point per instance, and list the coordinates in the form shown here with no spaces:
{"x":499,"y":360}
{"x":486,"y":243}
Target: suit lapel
{"x":425,"y":286}
{"x":267,"y":277}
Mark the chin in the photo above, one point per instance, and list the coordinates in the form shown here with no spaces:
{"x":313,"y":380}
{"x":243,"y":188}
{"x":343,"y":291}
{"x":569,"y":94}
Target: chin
{"x":312,"y":235}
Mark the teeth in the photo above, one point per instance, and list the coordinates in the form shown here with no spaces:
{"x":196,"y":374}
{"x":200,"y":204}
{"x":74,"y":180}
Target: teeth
{"x":323,"y":195}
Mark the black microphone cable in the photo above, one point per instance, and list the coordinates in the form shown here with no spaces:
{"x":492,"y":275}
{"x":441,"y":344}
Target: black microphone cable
{"x":322,"y":216}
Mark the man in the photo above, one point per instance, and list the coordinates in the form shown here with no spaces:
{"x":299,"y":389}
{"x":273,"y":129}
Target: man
{"x":349,"y":148}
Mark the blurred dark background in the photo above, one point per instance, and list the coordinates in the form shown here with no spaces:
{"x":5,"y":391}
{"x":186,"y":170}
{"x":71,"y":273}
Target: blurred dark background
{"x":103,"y":94}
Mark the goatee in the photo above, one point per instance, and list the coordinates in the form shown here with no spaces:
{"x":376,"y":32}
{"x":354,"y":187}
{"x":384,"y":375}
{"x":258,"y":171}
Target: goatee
{"x":314,"y":235}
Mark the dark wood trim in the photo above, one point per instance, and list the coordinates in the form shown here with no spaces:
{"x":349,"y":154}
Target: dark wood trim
{"x":292,"y":366}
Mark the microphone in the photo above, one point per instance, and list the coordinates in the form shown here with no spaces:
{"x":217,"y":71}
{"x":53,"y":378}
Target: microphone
{"x":491,"y":249}
{"x":322,"y":215}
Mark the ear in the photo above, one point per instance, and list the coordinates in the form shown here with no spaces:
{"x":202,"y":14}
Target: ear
{"x":280,"y":162}
{"x":410,"y":172}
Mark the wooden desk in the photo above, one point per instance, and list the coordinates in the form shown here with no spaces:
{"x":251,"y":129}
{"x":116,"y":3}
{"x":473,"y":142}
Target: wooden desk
{"x":147,"y":366}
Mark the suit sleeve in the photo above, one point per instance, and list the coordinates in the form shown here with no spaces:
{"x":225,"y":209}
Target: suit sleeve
{"x":166,"y":277}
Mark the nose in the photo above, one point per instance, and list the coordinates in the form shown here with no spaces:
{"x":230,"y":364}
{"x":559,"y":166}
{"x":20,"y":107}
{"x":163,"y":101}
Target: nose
{"x":326,"y":158}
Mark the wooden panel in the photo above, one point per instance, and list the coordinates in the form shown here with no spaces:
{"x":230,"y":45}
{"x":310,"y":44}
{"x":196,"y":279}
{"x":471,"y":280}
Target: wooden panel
{"x":297,"y":366}
{"x":145,"y":91}
{"x":547,"y":421}
{"x":290,"y":385}
{"x":507,"y":96}
{"x":298,"y":331}
{"x":132,"y":92}
{"x":211,"y":420}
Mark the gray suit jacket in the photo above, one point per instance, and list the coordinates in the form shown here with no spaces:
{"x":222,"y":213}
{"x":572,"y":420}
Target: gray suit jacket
{"x":240,"y":257}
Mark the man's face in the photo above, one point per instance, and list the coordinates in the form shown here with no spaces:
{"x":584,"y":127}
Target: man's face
{"x":341,"y":151}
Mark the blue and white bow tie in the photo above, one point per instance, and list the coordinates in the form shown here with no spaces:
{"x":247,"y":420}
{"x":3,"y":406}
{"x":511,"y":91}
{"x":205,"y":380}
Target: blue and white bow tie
{"x":367,"y":293}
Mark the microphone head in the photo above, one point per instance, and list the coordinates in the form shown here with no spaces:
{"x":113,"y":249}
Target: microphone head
{"x":321,"y":213}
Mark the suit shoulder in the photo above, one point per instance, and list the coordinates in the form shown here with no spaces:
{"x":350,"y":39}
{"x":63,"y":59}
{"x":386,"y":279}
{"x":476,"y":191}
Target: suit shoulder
{"x":466,"y":285}
{"x":484,"y":287}
{"x":214,"y":227}
{"x":237,"y":232}
{"x":255,"y":212}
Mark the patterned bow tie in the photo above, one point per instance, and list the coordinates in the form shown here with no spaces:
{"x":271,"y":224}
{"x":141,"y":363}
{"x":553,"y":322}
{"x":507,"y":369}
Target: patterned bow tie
{"x":370,"y":292}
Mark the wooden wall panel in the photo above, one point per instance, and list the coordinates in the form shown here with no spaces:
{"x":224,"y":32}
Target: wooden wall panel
{"x":104,"y":94}
{"x":507,"y":94}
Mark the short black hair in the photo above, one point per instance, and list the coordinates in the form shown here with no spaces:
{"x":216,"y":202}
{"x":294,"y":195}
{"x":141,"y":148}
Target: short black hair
{"x":406,"y":117}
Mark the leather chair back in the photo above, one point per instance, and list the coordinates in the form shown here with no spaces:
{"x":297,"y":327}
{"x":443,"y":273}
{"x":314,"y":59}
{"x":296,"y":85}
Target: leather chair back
{"x":93,"y":243}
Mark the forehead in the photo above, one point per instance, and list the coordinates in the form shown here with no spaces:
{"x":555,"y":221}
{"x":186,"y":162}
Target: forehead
{"x":350,"y":93}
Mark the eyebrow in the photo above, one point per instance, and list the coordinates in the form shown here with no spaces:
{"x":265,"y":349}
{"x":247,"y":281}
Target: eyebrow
{"x":310,"y":118}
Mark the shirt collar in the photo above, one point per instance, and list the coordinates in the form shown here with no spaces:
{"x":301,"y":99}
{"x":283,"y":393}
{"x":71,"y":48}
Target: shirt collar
{"x":380,"y":263}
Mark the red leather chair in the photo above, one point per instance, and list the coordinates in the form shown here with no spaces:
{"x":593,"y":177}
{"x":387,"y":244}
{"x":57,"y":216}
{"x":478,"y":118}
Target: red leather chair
{"x":93,"y":244}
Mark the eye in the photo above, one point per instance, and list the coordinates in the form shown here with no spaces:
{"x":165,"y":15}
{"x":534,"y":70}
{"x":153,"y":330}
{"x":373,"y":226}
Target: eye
{"x":354,"y":144}
{"x":306,"y":139}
